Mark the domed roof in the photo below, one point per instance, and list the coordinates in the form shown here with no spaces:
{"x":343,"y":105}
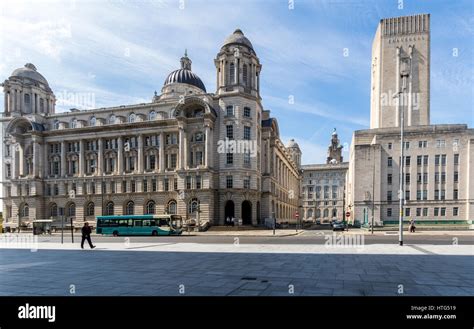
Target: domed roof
{"x":292,"y":144}
{"x":185,"y":75}
{"x":238,"y":38}
{"x":29,"y":71}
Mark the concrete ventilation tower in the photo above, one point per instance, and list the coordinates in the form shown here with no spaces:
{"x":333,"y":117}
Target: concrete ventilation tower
{"x":400,"y":41}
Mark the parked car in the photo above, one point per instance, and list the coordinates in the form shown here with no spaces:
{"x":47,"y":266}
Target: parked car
{"x":339,"y":226}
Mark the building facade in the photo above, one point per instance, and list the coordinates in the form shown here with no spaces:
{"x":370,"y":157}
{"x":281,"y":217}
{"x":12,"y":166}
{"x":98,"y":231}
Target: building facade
{"x":323,"y":186}
{"x":188,"y":151}
{"x":438,"y":184}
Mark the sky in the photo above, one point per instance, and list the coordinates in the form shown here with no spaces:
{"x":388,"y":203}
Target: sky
{"x":315,"y":55}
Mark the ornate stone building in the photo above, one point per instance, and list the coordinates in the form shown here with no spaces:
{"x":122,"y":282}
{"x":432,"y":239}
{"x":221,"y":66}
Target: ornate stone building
{"x":186,"y":150}
{"x":323,"y":186}
{"x":438,"y":159}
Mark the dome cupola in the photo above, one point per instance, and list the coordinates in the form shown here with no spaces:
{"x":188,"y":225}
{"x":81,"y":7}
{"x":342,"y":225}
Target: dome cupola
{"x":185,"y":75}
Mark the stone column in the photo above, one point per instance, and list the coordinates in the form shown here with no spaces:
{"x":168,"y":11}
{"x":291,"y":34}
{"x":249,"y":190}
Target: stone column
{"x":13,"y":99}
{"x":120,"y":156}
{"x":140,"y":154}
{"x":100,"y":157}
{"x":5,"y":104}
{"x":63,"y":158}
{"x":162,"y":152}
{"x":207,"y":149}
{"x":22,"y":101}
{"x":21,"y":156}
{"x":181,"y":148}
{"x":81,"y":158}
{"x":18,"y":100}
{"x":36,"y":158}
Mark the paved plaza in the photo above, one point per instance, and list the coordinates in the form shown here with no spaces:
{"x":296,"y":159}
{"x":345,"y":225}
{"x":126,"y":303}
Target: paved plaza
{"x":234,"y":269}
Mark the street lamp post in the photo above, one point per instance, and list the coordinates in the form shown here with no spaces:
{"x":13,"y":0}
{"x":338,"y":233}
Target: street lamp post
{"x":405,"y":72}
{"x":373,"y":186}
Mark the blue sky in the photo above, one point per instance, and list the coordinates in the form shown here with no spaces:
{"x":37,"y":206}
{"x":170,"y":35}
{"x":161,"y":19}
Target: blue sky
{"x":122,"y":52}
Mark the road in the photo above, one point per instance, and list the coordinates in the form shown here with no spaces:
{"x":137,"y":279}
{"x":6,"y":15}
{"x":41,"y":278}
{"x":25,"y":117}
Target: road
{"x":308,"y":237}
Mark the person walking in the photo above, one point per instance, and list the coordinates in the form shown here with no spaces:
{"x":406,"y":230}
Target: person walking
{"x":412,"y":226}
{"x":86,"y":235}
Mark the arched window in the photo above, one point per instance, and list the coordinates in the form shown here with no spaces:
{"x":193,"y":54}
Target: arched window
{"x":25,"y":210}
{"x":56,"y":124}
{"x":231,"y":73}
{"x":53,"y":210}
{"x":109,"y":209}
{"x":245,"y":75}
{"x":318,"y":213}
{"x":90,"y":209}
{"x":334,"y":212}
{"x":92,"y":121}
{"x":326,"y":213}
{"x":150,"y":207}
{"x":73,"y":123}
{"x":27,"y":98}
{"x":193,"y":205}
{"x":171,"y":208}
{"x":71,"y":210}
{"x":152,"y":115}
{"x":112,"y":119}
{"x":131,"y":118}
{"x":130,"y":208}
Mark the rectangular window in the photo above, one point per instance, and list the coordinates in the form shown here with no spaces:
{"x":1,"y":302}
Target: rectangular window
{"x":456,"y":176}
{"x":443,"y":159}
{"x":425,"y":212}
{"x":455,"y":194}
{"x":407,"y":161}
{"x":154,"y":187}
{"x":198,"y":182}
{"x":145,"y":185}
{"x":8,"y":170}
{"x":407,"y":212}
{"x":456,"y":159}
{"x":334,"y":192}
{"x":455,"y":211}
{"x":173,"y":161}
{"x":247,"y":158}
{"x":246,"y":133}
{"x":166,"y":184}
{"x":443,"y":194}
{"x":425,"y":194}
{"x":418,"y":212}
{"x":229,"y":158}
{"x":418,"y":195}
{"x":389,"y":195}
{"x":229,"y":131}
{"x":425,"y":160}
{"x":247,"y":183}
{"x":175,"y":184}
{"x":436,"y":194}
{"x":188,"y":182}
{"x":389,"y":212}
{"x":124,"y":186}
{"x":132,"y":186}
{"x":389,"y":146}
{"x":407,"y":145}
{"x":419,"y":177}
{"x":443,"y":211}
{"x":443,"y":177}
{"x":229,"y":182}
{"x":436,"y":211}
{"x":407,"y":178}
{"x":247,"y":112}
{"x":407,"y":195}
{"x":436,"y":177}
{"x":437,"y":158}
{"x":389,"y":162}
{"x":229,"y":111}
{"x":389,"y":179}
{"x":419,"y":160}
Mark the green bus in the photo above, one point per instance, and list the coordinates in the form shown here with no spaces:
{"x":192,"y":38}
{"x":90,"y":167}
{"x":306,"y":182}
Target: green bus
{"x":140,"y":225}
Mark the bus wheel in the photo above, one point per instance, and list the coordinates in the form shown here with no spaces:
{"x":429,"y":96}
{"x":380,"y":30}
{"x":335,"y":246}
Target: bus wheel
{"x":115,"y":233}
{"x":154,"y":233}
